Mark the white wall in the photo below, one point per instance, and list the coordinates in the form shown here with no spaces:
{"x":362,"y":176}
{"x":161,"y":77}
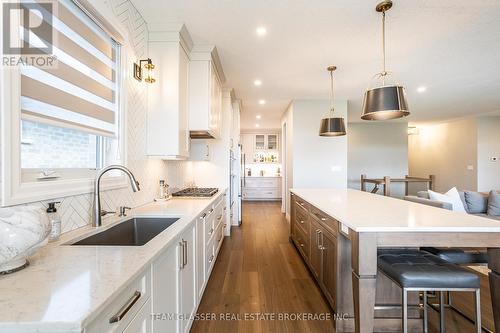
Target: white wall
{"x":447,"y":150}
{"x":314,"y":161}
{"x":318,"y":161}
{"x":488,"y":145}
{"x":287,"y":158}
{"x":377,"y":149}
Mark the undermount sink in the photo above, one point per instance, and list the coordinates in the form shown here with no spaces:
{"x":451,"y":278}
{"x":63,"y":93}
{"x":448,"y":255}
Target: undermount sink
{"x":134,"y":232}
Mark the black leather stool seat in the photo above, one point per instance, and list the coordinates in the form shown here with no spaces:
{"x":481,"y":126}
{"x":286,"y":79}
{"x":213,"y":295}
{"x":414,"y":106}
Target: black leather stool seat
{"x":420,"y":269}
{"x":459,"y":256}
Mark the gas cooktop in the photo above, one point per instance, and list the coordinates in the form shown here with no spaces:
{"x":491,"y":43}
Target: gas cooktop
{"x":199,"y":192}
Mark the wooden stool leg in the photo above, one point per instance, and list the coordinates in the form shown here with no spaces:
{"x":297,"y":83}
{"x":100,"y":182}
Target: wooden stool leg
{"x":404,"y":322}
{"x":442,"y":316}
{"x":477,"y":303}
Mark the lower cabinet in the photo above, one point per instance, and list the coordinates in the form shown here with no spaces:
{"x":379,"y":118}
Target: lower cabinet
{"x":319,"y":251}
{"x":174,"y":285}
{"x":142,"y":320}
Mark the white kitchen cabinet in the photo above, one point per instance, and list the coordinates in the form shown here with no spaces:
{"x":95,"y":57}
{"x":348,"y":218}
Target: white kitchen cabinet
{"x":142,"y":320}
{"x":168,"y":97}
{"x":188,"y":296}
{"x":266,"y":142}
{"x":166,"y":287}
{"x":205,"y":93}
{"x":174,"y":284}
{"x":262,"y":188}
{"x":122,"y":311}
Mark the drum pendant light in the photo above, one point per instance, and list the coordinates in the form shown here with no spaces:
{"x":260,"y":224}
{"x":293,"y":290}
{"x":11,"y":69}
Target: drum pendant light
{"x":387,"y":101}
{"x":332,"y":126}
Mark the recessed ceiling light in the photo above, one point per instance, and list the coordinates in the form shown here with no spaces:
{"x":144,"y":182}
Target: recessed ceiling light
{"x":257,"y":83}
{"x":421,"y":89}
{"x":262,"y":101}
{"x":261,"y":31}
{"x":258,"y":116}
{"x":257,"y":125}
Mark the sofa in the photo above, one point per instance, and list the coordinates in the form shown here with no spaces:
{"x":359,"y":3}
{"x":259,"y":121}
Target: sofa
{"x":475,"y":203}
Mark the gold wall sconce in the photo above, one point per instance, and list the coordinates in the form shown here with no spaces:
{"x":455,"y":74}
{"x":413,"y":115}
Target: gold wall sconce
{"x":149,"y":66}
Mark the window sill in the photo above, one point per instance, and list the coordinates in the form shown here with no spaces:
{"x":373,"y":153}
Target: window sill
{"x":54,"y":189}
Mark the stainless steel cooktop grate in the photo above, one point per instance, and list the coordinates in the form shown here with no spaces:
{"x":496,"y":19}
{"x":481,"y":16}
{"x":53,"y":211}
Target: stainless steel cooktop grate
{"x":196,"y":192}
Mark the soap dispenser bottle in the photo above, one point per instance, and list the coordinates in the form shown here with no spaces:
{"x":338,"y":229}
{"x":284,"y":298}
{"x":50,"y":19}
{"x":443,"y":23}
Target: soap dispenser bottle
{"x":55,"y":221}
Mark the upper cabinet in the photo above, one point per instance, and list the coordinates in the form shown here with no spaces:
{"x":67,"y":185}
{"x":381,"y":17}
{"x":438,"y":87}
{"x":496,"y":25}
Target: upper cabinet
{"x":168,"y":98}
{"x":205,"y":93}
{"x":261,"y":147}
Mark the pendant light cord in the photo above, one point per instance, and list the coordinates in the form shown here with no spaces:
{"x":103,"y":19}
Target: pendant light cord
{"x":332,"y":108}
{"x":383,"y":40}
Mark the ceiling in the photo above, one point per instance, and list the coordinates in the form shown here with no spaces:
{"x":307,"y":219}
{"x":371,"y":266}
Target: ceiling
{"x":448,"y":46}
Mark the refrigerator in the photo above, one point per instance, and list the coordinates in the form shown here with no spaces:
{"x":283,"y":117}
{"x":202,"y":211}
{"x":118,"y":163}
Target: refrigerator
{"x":235,"y":191}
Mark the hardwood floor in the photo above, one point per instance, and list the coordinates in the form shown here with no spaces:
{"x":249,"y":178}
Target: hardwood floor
{"x":259,"y":272}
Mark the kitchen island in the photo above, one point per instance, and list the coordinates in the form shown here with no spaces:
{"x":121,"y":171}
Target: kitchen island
{"x":338,"y":231}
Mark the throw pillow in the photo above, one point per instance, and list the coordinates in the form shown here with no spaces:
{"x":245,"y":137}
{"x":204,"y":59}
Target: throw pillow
{"x":477,"y":203}
{"x":494,"y":203}
{"x":451,"y":196}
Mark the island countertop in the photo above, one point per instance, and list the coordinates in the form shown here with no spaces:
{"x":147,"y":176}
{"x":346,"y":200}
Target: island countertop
{"x":65,"y":287}
{"x":367,"y":212}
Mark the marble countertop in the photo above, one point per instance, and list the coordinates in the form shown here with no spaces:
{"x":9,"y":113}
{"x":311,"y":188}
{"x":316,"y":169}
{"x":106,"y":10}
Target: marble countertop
{"x":66,"y":287}
{"x":367,"y":212}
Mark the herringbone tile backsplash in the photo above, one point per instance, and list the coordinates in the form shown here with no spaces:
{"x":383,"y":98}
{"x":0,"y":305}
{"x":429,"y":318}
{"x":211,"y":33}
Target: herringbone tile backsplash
{"x":76,"y":210}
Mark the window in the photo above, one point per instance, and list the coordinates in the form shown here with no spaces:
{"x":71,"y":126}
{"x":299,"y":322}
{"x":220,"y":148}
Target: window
{"x":63,"y":121}
{"x":68,"y":111}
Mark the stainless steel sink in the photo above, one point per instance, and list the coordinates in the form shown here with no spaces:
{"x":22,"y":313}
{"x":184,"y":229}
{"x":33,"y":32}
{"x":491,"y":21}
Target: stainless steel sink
{"x":134,"y":232}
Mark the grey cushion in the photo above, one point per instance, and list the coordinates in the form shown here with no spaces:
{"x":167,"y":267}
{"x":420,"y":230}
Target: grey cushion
{"x":494,"y":203}
{"x":419,"y":269}
{"x":459,"y":256}
{"x":476,"y":203}
{"x":423,"y":194}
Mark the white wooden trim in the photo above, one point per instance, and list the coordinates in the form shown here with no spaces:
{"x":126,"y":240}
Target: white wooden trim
{"x":13,"y":190}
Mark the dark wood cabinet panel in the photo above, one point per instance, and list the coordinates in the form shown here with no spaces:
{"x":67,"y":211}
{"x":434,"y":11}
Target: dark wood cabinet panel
{"x":329,"y":266}
{"x":320,"y":250}
{"x":316,"y":253}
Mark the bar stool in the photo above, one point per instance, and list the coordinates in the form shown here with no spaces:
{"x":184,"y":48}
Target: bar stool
{"x":414,"y":270}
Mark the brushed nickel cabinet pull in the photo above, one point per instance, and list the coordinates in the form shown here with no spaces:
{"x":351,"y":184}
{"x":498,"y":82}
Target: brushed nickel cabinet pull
{"x":204,"y":215}
{"x":185,"y":252}
{"x":219,"y":217}
{"x":181,"y":253}
{"x":211,"y":232}
{"x":210,"y":211}
{"x":323,"y":219}
{"x":211,"y":258}
{"x":123,"y":311}
{"x":301,"y":221}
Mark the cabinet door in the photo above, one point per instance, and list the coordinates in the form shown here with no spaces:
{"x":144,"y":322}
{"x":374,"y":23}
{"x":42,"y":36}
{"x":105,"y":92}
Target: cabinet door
{"x":142,"y":320}
{"x":215,"y":102}
{"x":184,"y":139}
{"x":187,"y":277}
{"x":260,"y":142}
{"x":329,"y":266}
{"x":316,"y":253}
{"x":272,"y":142}
{"x":166,"y":288}
{"x":200,"y":254}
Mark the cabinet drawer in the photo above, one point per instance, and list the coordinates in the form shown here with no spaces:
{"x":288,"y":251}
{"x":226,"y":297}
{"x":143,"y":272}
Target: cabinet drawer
{"x":209,"y":226}
{"x":329,"y":223}
{"x":124,"y":307}
{"x":260,"y":193}
{"x":301,"y":204}
{"x":262,"y":182}
{"x":219,"y":237}
{"x":218,"y":216}
{"x":302,"y":242}
{"x":209,"y":257}
{"x":302,"y":221}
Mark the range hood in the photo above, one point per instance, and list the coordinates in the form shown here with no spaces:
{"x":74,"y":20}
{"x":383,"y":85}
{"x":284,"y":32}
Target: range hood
{"x":201,"y":135}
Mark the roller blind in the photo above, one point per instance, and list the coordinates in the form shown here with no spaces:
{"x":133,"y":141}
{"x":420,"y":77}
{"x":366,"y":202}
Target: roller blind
{"x":81,"y":90}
